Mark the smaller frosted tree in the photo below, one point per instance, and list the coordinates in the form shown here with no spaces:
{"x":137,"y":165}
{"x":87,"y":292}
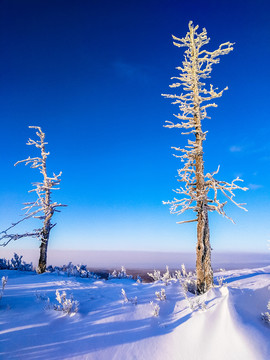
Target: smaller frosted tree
{"x":43,"y":208}
{"x":199,"y":191}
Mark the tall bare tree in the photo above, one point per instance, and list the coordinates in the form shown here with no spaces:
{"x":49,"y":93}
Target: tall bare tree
{"x":43,"y":208}
{"x":193,"y":105}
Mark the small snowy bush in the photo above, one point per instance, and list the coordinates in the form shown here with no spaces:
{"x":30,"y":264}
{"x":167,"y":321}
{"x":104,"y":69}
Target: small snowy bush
{"x":72,"y":270}
{"x":122,"y":274}
{"x":184,"y":271}
{"x":195,"y":303}
{"x":187,"y":280}
{"x":185,"y":293}
{"x":4,"y":282}
{"x":155,"y":276}
{"x":15,"y":263}
{"x":68,"y":306}
{"x":41,"y":296}
{"x":4,"y":264}
{"x":156,"y":309}
{"x":199,"y":303}
{"x":161,"y":295}
{"x":220,"y":281}
{"x":266,"y":316}
{"x":133,"y":301}
{"x":166,"y":277}
{"x":189,"y":286}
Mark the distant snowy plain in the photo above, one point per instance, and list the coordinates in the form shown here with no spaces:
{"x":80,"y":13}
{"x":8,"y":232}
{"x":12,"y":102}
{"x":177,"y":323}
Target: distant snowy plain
{"x":107,"y":328}
{"x":135,"y":260}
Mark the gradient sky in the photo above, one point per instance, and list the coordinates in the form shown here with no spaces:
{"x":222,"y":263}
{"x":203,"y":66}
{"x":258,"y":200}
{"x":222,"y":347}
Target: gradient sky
{"x":90,"y":73}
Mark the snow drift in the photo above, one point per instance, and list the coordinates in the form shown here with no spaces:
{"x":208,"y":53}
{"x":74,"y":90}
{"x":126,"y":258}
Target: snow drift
{"x":224,"y":323}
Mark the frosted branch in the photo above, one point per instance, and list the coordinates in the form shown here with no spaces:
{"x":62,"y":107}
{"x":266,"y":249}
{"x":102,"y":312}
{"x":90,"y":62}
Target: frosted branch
{"x":193,"y":104}
{"x":5,"y":239}
{"x":227,"y":190}
{"x":42,"y":208}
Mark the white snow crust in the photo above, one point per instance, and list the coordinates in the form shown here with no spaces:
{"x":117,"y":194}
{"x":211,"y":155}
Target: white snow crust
{"x":108,"y":328}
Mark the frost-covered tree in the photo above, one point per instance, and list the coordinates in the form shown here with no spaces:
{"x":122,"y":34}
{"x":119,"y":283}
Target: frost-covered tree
{"x":4,"y":282}
{"x":197,"y":186}
{"x":43,"y":207}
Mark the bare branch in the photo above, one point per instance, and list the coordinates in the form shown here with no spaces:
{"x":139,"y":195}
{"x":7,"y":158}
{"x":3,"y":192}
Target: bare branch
{"x":187,"y":221}
{"x":7,"y":238}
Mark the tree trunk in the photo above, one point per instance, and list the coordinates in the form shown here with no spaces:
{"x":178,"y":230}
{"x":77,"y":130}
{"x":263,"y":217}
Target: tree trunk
{"x":42,"y":264}
{"x":48,"y":212}
{"x":203,"y":262}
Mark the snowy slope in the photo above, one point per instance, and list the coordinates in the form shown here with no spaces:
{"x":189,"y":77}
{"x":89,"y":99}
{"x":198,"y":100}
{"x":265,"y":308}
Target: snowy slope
{"x":106,"y":328}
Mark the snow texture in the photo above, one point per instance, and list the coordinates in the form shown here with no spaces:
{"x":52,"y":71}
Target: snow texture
{"x":227,"y":326}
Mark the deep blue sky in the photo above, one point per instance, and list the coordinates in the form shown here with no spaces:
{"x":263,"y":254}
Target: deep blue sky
{"x":90,"y":73}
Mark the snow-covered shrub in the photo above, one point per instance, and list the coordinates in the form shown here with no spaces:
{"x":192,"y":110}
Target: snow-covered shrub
{"x":220,"y":281}
{"x":68,"y":269}
{"x":161,"y":295}
{"x":124,"y":296}
{"x":185,"y":293}
{"x":26,"y":267}
{"x":122,"y":274}
{"x":82,"y":271}
{"x":15,"y":263}
{"x":53,"y":269}
{"x":184,"y":271}
{"x":183,"y":274}
{"x":155,"y":276}
{"x":187,"y":280}
{"x":199,"y":303}
{"x":196,"y":302}
{"x":133,"y":301}
{"x":4,"y":282}
{"x":18,"y":264}
{"x":156,"y":309}
{"x":41,"y":296}
{"x":113,"y":275}
{"x":72,"y":270}
{"x":189,"y":286}
{"x":75,"y":270}
{"x":266,"y":316}
{"x":166,"y":277}
{"x":4,"y":264}
{"x":69,"y":306}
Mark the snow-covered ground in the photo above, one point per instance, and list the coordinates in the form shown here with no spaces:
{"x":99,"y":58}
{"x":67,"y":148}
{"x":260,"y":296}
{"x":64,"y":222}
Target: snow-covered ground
{"x":107,"y":328}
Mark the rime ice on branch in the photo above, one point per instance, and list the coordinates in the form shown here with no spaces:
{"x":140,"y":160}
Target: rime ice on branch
{"x":43,"y":208}
{"x":193,"y":104}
